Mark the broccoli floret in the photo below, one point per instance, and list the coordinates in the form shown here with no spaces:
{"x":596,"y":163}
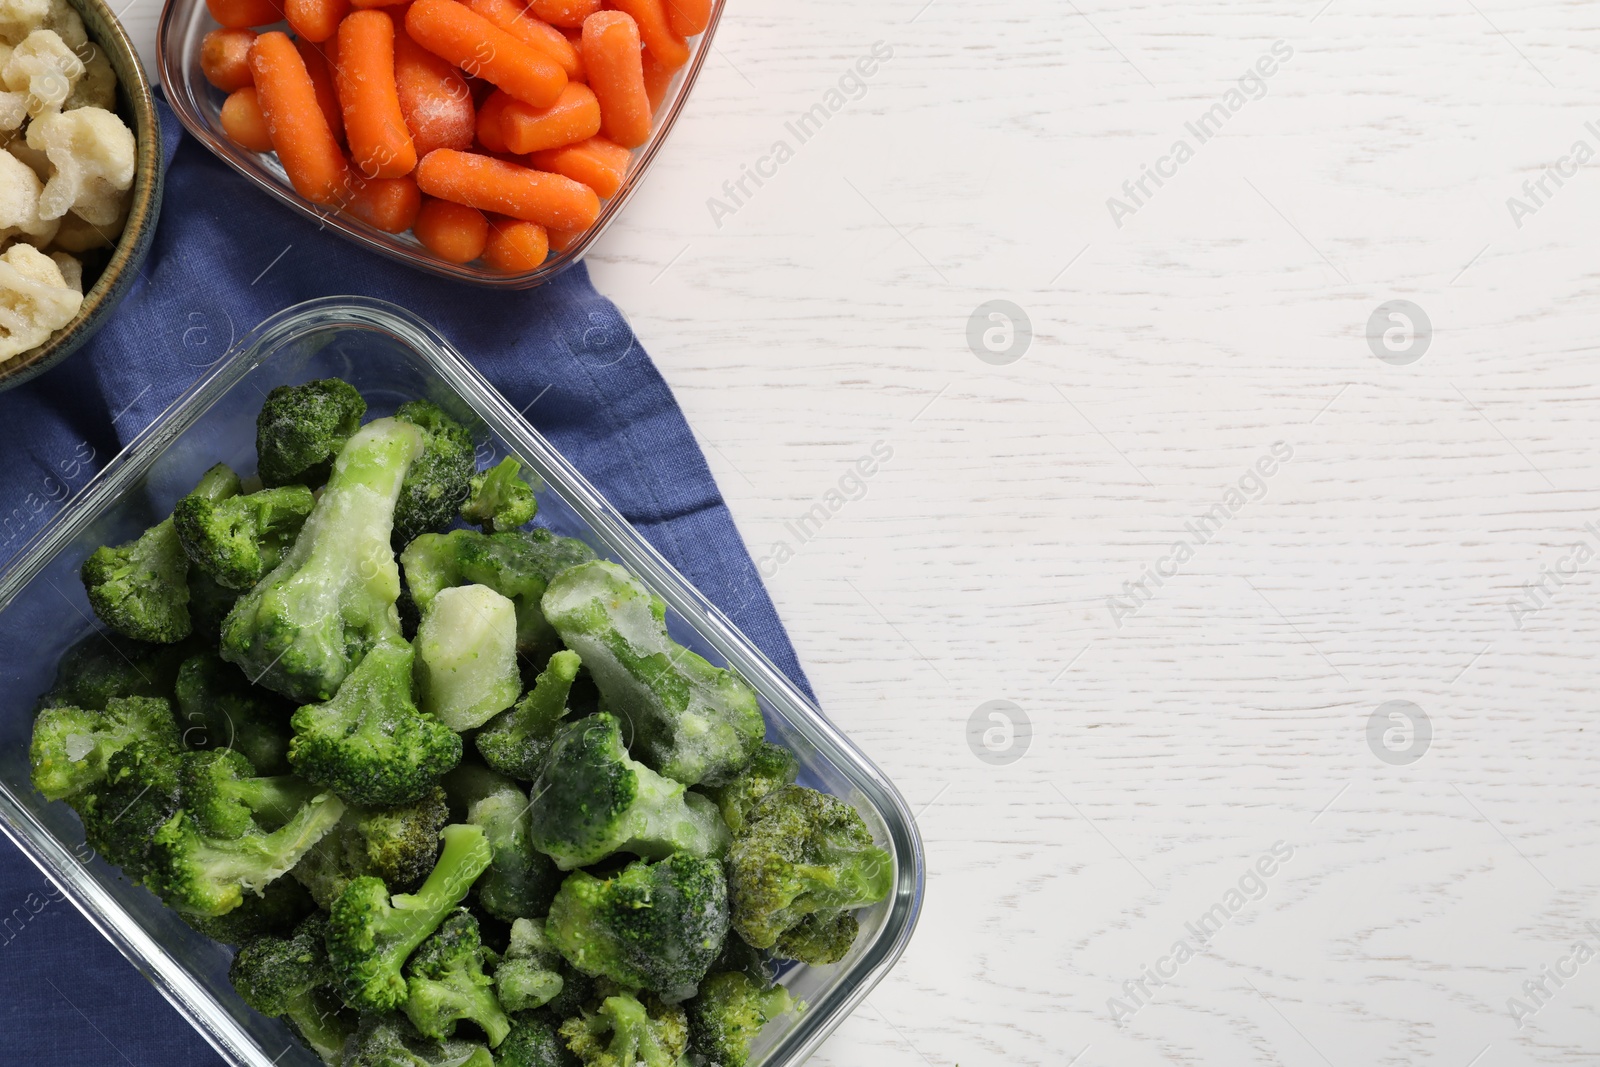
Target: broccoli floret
{"x":209,"y":875}
{"x":591,"y":800}
{"x":303,"y":628}
{"x":141,"y":589}
{"x":226,"y":800}
{"x":391,"y":1041}
{"x":301,"y":428}
{"x":398,"y":845}
{"x":238,"y":540}
{"x":500,"y":500}
{"x":100,"y":667}
{"x":522,"y":880}
{"x":654,"y":926}
{"x":727,"y":1015}
{"x":439,"y":480}
{"x":467,"y":656}
{"x":221,"y":709}
{"x":289,"y":978}
{"x":797,"y":869}
{"x":71,"y":747}
{"x":445,"y":983}
{"x":370,"y":935}
{"x":626,"y":1032}
{"x":533,"y":1043}
{"x":369,"y":743}
{"x":690,"y":721}
{"x":529,"y":974}
{"x":141,"y":792}
{"x":514,"y":743}
{"x":772,"y":767}
{"x":277,"y":911}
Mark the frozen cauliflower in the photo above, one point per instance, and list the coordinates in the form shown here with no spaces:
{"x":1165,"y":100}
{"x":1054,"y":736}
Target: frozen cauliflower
{"x":98,"y":86}
{"x":44,"y":68}
{"x":92,"y":153}
{"x":35,"y":300}
{"x":18,"y":18}
{"x":20,"y":189}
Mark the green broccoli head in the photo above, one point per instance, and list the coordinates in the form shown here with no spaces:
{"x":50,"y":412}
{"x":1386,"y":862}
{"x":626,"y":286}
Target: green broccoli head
{"x":289,"y":978}
{"x":221,"y":709}
{"x":514,"y":742}
{"x":772,"y":767}
{"x":71,"y":747}
{"x":98,"y":668}
{"x":141,"y":792}
{"x":238,"y":540}
{"x":628,"y":1032}
{"x":591,"y":800}
{"x":226,"y":800}
{"x":801,"y":864}
{"x":500,"y":499}
{"x":391,"y":1041}
{"x":371,"y":934}
{"x":654,"y":926}
{"x":727,"y":1015}
{"x":446,"y":984}
{"x":304,"y":626}
{"x":529,"y":974}
{"x":369,"y":743}
{"x":691,"y":721}
{"x":534,"y":1042}
{"x":301,"y":428}
{"x":439,"y":480}
{"x":281,"y":907}
{"x":398,"y":845}
{"x":522,"y":880}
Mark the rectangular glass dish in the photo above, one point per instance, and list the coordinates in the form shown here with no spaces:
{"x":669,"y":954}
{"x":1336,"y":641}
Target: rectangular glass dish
{"x":198,"y":104}
{"x":391,"y":357}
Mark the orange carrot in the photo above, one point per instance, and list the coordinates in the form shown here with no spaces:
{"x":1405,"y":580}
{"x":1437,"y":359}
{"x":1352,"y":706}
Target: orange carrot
{"x":598,"y":163}
{"x":660,"y":39}
{"x":305,"y":145}
{"x":483,"y":50}
{"x":573,"y":118}
{"x":561,"y":240}
{"x":240,"y":14}
{"x":494,"y":185}
{"x":453,"y":232}
{"x":514,"y":245}
{"x":225,"y":58}
{"x":315,"y":20}
{"x":318,"y":65}
{"x":616,"y":74}
{"x":434,"y":97}
{"x":489,"y":128}
{"x":657,"y":80}
{"x":380,"y":143}
{"x":564,"y":12}
{"x":361,"y":5}
{"x":390,"y":204}
{"x":519,"y":22}
{"x":243,"y":121}
{"x":574,"y":36}
{"x":688,"y":17}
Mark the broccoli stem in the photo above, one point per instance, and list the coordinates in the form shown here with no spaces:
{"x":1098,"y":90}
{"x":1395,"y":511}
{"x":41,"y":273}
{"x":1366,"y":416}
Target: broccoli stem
{"x":414,"y":916}
{"x":273,"y":800}
{"x":254,"y":860}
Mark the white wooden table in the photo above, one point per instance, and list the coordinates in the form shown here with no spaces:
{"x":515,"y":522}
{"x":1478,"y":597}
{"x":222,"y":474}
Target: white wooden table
{"x":1179,"y":733}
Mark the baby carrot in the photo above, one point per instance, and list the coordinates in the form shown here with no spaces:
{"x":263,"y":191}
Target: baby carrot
{"x":660,"y":39}
{"x":514,"y":245}
{"x":434,"y":97}
{"x":305,"y":145}
{"x":225,"y":58}
{"x":564,"y":12}
{"x":389,"y":204}
{"x":483,"y":50}
{"x":561,"y":240}
{"x":519,"y":22}
{"x":315,"y":20}
{"x":243,"y":122}
{"x":597,"y":163}
{"x":688,"y":17}
{"x":239,"y":14}
{"x":315,"y":57}
{"x":489,"y":129}
{"x":453,"y":232}
{"x":494,"y":185}
{"x":361,"y":5}
{"x":572,"y":118}
{"x":657,"y":80}
{"x":574,"y":36}
{"x":616,"y":74}
{"x":380,"y":143}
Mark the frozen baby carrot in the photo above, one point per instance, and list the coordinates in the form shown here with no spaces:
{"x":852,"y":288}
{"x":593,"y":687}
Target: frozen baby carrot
{"x":315,"y":57}
{"x":243,"y":122}
{"x":572,"y":118}
{"x":315,"y":20}
{"x":564,"y":12}
{"x":670,"y":50}
{"x":225,"y":58}
{"x":598,"y":163}
{"x":483,"y":50}
{"x":451,"y":231}
{"x":688,"y":17}
{"x":380,"y":143}
{"x":300,"y":134}
{"x":434,"y":97}
{"x":519,"y":22}
{"x":616,"y":74}
{"x":514,"y":245}
{"x":240,"y":14}
{"x":390,"y":204}
{"x":360,"y":5}
{"x":491,"y":184}
{"x":657,"y":80}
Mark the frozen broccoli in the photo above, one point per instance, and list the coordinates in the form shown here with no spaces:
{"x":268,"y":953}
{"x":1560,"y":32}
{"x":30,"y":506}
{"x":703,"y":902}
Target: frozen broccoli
{"x":226,"y":800}
{"x":772,"y":767}
{"x":522,"y":880}
{"x":591,"y":800}
{"x":304,"y":627}
{"x":500,"y":500}
{"x":514,"y":743}
{"x":391,"y":1041}
{"x":467,"y":656}
{"x":371,"y":934}
{"x":219,"y":708}
{"x":281,"y":907}
{"x":141,"y":792}
{"x":690,"y":721}
{"x":529,"y":974}
{"x":289,"y":978}
{"x":72,"y":746}
{"x":801,"y":864}
{"x":100,"y":667}
{"x":398,"y":845}
{"x":236,"y":541}
{"x":533,"y":1043}
{"x":627,"y":1032}
{"x":445,"y":983}
{"x":654,"y":926}
{"x":369,"y":743}
{"x":439,"y":480}
{"x":301,"y":428}
{"x":728,"y":1014}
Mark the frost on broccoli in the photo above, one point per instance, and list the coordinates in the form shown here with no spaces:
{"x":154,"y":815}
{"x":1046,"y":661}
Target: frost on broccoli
{"x":236,"y":541}
{"x":771,"y":768}
{"x":727,"y":1016}
{"x":467,"y":656}
{"x":220,"y":709}
{"x":391,"y":1041}
{"x":141,"y":792}
{"x":446,"y":983}
{"x":398,"y":845}
{"x":288,"y":977}
{"x":529,"y":972}
{"x":522,"y":880}
{"x":301,"y":428}
{"x":72,"y":746}
{"x":439,"y":480}
{"x":534,"y":1042}
{"x":628,"y":1032}
{"x":514,"y":742}
{"x":500,"y":499}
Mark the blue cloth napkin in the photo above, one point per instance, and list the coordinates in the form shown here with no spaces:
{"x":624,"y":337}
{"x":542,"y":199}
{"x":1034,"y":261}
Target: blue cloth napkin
{"x":226,"y":257}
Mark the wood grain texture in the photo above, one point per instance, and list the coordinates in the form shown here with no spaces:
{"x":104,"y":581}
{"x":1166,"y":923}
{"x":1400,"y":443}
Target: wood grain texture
{"x":1170,"y":353}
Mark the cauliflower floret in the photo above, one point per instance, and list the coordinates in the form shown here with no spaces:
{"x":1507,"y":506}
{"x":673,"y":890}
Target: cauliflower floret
{"x":35,"y":300}
{"x":98,"y":86}
{"x":13,"y":106}
{"x":43,"y":67}
{"x":18,"y":18}
{"x":65,"y":20}
{"x":19,"y":203}
{"x":93,"y":155}
{"x":71,"y":270}
{"x":18,"y":146}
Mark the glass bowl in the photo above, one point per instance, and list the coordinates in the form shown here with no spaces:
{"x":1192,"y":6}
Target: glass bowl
{"x":198,"y":105}
{"x":391,"y":357}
